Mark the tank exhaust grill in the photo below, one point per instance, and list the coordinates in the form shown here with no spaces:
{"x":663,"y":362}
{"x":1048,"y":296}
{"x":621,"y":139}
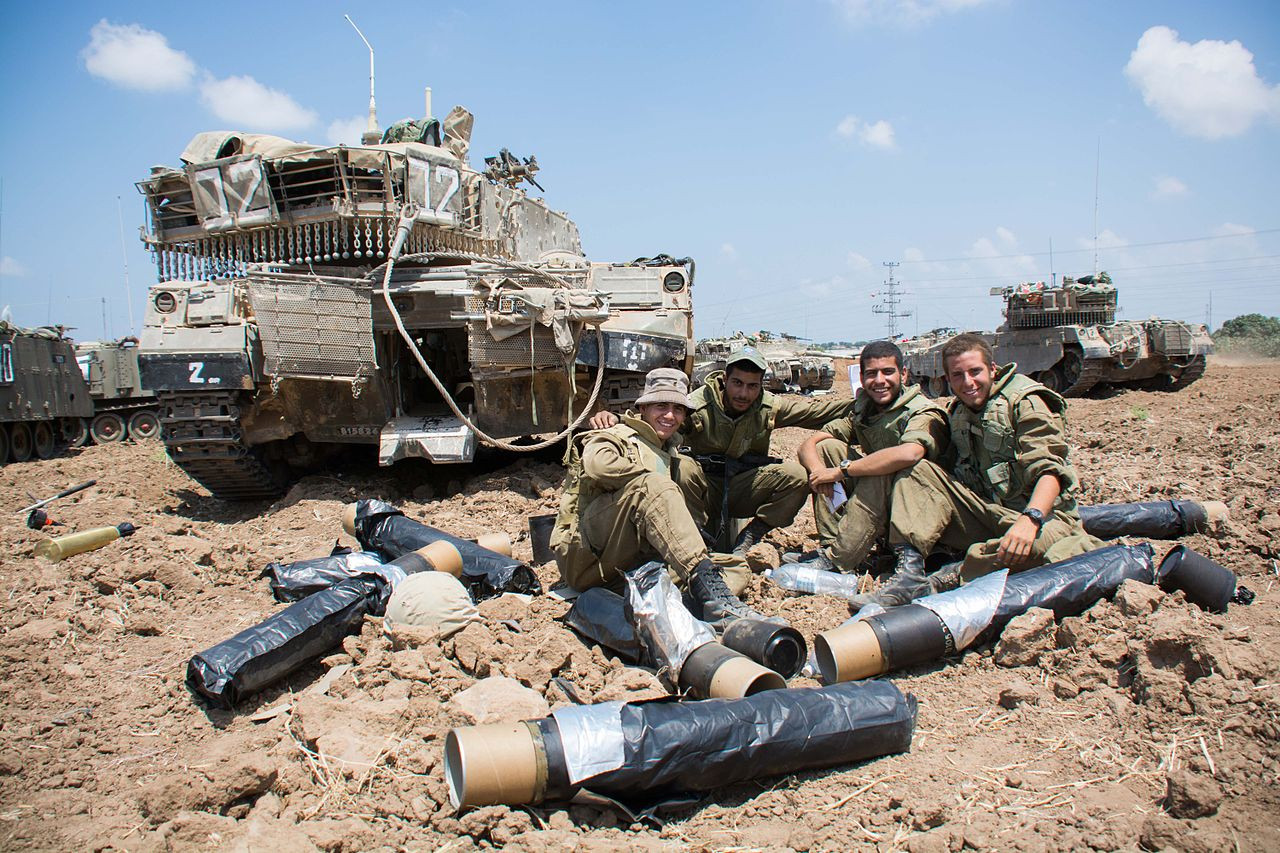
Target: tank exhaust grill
{"x":313,"y":327}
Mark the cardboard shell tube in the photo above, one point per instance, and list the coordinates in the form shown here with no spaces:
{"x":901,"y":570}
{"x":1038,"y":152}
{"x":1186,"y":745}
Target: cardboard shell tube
{"x":848,"y":653}
{"x":499,"y":542}
{"x":58,"y":549}
{"x":349,"y":519}
{"x":713,"y":671}
{"x":495,"y":764}
{"x":444,"y":557}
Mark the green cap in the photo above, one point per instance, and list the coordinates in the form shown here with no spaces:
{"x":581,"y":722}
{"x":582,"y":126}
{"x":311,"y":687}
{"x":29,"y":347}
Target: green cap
{"x":751,"y":355}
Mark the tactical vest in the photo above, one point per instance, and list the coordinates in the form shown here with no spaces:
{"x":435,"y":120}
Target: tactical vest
{"x":709,"y":428}
{"x":878,"y":430}
{"x":579,"y":492}
{"x":985,"y":442}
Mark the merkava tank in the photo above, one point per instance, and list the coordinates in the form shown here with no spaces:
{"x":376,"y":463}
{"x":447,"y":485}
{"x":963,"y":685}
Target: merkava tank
{"x":123,"y":408}
{"x":792,"y":368}
{"x":387,"y":294}
{"x":1068,"y":338}
{"x":44,"y":399}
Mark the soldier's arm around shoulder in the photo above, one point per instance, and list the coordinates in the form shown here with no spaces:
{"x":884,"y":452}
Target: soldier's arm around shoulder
{"x":809,"y":412}
{"x":1041,"y":442}
{"x":608,"y":460}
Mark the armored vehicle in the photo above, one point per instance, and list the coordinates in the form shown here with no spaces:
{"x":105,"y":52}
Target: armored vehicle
{"x":43,"y":397}
{"x":1068,"y":338}
{"x":792,"y":367}
{"x":389,"y":295}
{"x":123,"y":407}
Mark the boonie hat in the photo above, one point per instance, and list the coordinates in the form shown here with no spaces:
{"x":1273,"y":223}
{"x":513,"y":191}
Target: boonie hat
{"x":432,"y":600}
{"x":665,"y":385}
{"x":751,"y":355}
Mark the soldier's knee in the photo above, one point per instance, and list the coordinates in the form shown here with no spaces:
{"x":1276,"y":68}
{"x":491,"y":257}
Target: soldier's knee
{"x":790,"y":475}
{"x":833,"y":451}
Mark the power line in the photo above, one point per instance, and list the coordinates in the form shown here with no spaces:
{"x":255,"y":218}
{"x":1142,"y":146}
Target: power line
{"x":1104,"y":248}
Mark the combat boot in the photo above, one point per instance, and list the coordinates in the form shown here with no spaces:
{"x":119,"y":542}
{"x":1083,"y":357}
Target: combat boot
{"x":815,"y":559}
{"x":907,"y":584}
{"x":707,"y":588}
{"x":750,"y":535}
{"x":946,"y":578}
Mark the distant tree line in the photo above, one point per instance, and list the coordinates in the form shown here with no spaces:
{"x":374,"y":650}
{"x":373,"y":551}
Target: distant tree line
{"x":1254,"y":334}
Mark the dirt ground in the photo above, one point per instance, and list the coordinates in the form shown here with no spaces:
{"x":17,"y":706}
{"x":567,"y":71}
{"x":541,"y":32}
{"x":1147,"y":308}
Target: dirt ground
{"x":1143,"y":723}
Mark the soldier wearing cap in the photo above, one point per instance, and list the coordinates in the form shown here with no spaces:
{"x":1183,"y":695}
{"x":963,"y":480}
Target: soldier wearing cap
{"x":621,"y":506}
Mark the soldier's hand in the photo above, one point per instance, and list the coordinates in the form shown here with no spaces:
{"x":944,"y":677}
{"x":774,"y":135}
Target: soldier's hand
{"x":602,"y":420}
{"x":820,"y":481}
{"x":1015,"y":547}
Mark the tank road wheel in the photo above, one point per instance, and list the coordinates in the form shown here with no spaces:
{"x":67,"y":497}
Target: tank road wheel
{"x":938,"y":387}
{"x":1050,"y":379}
{"x":1072,"y":365}
{"x":21,"y":445}
{"x":75,"y":431}
{"x":107,"y":427}
{"x":4,"y":444}
{"x":42,"y":439}
{"x":144,"y":425}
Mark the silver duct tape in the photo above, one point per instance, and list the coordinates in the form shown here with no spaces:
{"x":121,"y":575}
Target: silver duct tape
{"x":663,"y":623}
{"x":592,"y":739}
{"x":967,"y":611}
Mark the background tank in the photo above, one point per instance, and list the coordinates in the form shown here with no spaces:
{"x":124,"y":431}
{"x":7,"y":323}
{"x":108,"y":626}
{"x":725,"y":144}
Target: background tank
{"x":792,"y":367}
{"x":269,"y":336}
{"x":43,"y":397}
{"x":1068,"y":338}
{"x":122,"y":406}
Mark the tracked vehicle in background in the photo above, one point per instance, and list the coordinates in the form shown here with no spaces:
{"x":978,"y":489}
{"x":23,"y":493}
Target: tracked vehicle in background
{"x":792,"y":367}
{"x":387,"y":295}
{"x":44,"y":400}
{"x":1068,"y":338}
{"x":123,"y":408}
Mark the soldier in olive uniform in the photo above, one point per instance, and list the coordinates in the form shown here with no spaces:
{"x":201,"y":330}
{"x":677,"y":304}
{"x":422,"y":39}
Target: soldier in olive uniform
{"x":621,"y":508}
{"x":891,"y":428}
{"x":728,"y":433}
{"x":1009,"y":498}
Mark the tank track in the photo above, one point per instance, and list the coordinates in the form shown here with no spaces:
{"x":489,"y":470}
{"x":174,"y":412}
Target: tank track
{"x":202,"y":435}
{"x":1190,"y":373}
{"x":1090,"y":372}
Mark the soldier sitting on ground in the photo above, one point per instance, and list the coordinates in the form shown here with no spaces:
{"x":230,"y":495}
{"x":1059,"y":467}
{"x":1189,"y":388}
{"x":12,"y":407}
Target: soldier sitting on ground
{"x":621,"y":508}
{"x":891,"y":428}
{"x":728,"y":435}
{"x":1009,"y":498}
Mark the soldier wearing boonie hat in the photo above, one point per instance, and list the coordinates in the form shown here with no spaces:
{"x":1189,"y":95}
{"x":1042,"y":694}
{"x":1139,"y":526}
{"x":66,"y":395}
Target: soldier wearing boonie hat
{"x":621,"y":506}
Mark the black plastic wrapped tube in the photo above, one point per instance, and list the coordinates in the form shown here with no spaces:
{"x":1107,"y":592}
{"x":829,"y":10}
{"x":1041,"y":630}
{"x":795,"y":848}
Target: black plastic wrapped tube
{"x":285,"y":641}
{"x":1151,"y":520}
{"x":295,"y":581}
{"x":600,"y":615}
{"x":634,"y":750}
{"x":381,"y":527}
{"x":936,"y":625}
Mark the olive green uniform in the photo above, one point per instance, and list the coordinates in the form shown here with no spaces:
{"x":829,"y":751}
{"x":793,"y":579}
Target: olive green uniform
{"x":621,"y":508}
{"x":771,"y":493}
{"x":848,"y":533}
{"x":997,"y":455}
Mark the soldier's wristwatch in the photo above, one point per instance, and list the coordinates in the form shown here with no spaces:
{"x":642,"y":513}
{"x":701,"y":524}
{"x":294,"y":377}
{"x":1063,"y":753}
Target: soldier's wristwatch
{"x":1036,"y":516}
{"x":844,"y":467}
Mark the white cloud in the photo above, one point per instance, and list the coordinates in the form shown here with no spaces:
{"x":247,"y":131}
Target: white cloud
{"x":136,"y":58}
{"x":729,"y":251}
{"x":877,"y":134}
{"x":901,"y":12}
{"x":1005,"y":235}
{"x":347,"y":131}
{"x":245,"y":102}
{"x":1231,"y":229}
{"x":858,"y":262}
{"x":1168,"y":186}
{"x":1209,"y":89}
{"x":11,"y":267}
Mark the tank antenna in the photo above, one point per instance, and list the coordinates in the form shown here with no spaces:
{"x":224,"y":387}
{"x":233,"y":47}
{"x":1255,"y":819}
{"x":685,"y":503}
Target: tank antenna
{"x":371,"y":134}
{"x":1053,"y":276}
{"x":124,"y":254}
{"x":1097,"y":167}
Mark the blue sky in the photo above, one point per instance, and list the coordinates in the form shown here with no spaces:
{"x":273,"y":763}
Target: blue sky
{"x":790,"y":148}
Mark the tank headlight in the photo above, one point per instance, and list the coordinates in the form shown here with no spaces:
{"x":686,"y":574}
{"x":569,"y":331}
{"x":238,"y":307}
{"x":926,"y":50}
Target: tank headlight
{"x":165,"y":302}
{"x":673,"y":282}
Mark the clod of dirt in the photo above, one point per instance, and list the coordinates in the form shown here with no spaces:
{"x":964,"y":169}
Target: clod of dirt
{"x":1026,"y":638}
{"x":1137,"y":599}
{"x":493,"y":700}
{"x":1191,"y":795}
{"x":1021,"y":692}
